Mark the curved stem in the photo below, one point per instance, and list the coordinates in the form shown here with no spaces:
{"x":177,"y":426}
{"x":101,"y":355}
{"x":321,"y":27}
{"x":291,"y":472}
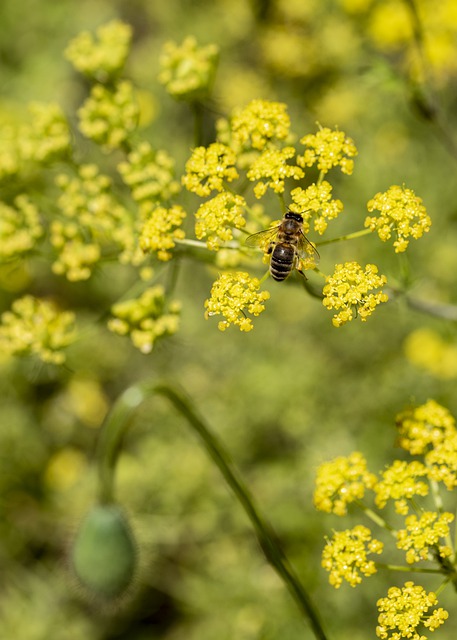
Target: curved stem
{"x":117,"y":423}
{"x":349,"y":236}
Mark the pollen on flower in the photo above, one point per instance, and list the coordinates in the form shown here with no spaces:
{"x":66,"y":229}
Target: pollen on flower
{"x":401,"y":213}
{"x":233,"y":295}
{"x":352,"y":292}
{"x":217,"y":218}
{"x":208,"y":168}
{"x":342,"y":481}
{"x":108,"y":116}
{"x":401,"y":482}
{"x":270,"y":168}
{"x":260,"y":123}
{"x":146,"y":318}
{"x":316,"y":202}
{"x":328,"y":148}
{"x":424,"y":532}
{"x":345,"y":556}
{"x":424,"y":427}
{"x":187,"y":69}
{"x":405,"y":609}
{"x":161,"y":230}
{"x":36,"y":327}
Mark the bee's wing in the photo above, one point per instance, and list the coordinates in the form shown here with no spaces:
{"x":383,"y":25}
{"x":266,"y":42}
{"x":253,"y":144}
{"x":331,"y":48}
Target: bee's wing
{"x":307,"y":253}
{"x":262,"y":239}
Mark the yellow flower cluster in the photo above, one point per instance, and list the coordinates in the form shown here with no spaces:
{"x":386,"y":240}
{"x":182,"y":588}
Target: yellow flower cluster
{"x":232,"y":296}
{"x":345,"y":556}
{"x":270,"y":168}
{"x":150,"y":176}
{"x":188,"y":70}
{"x":401,"y":213}
{"x":146,"y":318}
{"x":424,"y":427}
{"x":328,"y":148}
{"x":217,"y":217}
{"x":208,"y":168}
{"x":20,"y":228}
{"x":442,"y":462}
{"x":91,"y":219}
{"x":258,"y":125}
{"x":102,"y":57}
{"x":404,"y":610}
{"x":400,"y":482}
{"x":36,"y":327}
{"x":108,"y":115}
{"x":425,"y":532}
{"x":342,"y":481}
{"x":47,"y":137}
{"x":161,"y":229}
{"x":350,"y":292}
{"x":316,"y":200}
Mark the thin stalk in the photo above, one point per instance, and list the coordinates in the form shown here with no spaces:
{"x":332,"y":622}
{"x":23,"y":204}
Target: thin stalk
{"x":117,"y":423}
{"x":349,"y":236}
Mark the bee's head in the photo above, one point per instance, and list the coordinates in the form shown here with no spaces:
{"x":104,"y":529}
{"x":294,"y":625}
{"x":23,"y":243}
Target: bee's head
{"x":291,"y":215}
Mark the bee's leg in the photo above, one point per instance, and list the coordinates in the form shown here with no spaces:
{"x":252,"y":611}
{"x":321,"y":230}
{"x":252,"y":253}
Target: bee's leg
{"x":302,"y":273}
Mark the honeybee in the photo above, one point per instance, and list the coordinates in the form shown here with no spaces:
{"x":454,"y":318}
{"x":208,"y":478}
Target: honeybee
{"x":287,"y":245}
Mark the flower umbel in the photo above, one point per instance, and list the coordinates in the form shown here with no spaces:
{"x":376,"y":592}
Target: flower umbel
{"x":36,"y":327}
{"x":342,"y":481}
{"x":217,"y":217}
{"x":161,"y":230}
{"x":345,"y":556}
{"x":260,"y":123}
{"x":207,"y":168}
{"x":425,"y":532}
{"x":188,"y":70}
{"x":351,"y":291}
{"x":401,"y":482}
{"x":328,"y":148}
{"x":424,"y":427}
{"x":316,"y":201}
{"x":232,"y":296}
{"x":405,"y":609}
{"x":271,"y":169}
{"x":20,"y":228}
{"x":145,"y":319}
{"x":402,"y":213}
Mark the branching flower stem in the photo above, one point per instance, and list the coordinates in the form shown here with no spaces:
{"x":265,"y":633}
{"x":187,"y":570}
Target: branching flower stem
{"x":117,"y":423}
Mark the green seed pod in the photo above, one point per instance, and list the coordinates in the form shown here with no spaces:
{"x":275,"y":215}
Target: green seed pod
{"x":104,"y":554}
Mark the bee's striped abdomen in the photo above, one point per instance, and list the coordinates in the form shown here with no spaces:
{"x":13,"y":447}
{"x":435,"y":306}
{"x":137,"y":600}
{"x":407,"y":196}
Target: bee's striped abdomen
{"x":282,"y":261}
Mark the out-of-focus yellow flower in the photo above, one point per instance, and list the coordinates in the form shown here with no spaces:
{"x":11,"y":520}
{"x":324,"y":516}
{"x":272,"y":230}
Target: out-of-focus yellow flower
{"x":441,"y":462}
{"x":405,"y":609}
{"x":350,"y":291}
{"x":103,"y":56}
{"x":426,"y":349}
{"x":145,"y":319}
{"x":401,"y":213}
{"x":109,"y":116}
{"x":345,"y":556}
{"x":208,"y":168}
{"x":234,"y":295}
{"x":149,"y":174}
{"x":36,"y":327}
{"x":259,"y":124}
{"x":65,"y":468}
{"x":328,"y":148}
{"x":425,"y":532}
{"x":342,"y":481}
{"x":20,"y":227}
{"x":187,"y":69}
{"x":316,"y":200}
{"x":390,"y":25}
{"x":217,"y":217}
{"x":424,"y":427}
{"x":161,"y":230}
{"x":401,"y":482}
{"x":271,"y":169}
{"x":47,"y":137}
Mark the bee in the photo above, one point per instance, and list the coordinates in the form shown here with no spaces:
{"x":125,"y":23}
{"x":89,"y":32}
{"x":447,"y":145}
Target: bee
{"x":288,"y":246}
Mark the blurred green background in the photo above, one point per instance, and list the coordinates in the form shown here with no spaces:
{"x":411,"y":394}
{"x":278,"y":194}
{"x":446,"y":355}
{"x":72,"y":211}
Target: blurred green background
{"x":287,"y":396}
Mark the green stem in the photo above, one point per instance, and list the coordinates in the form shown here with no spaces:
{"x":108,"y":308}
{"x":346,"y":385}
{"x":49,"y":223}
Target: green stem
{"x":393,"y":567}
{"x":349,"y":236}
{"x":115,"y":427}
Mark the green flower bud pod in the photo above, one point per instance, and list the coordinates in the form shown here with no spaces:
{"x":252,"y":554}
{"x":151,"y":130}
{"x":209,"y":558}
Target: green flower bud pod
{"x":104,"y":553}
